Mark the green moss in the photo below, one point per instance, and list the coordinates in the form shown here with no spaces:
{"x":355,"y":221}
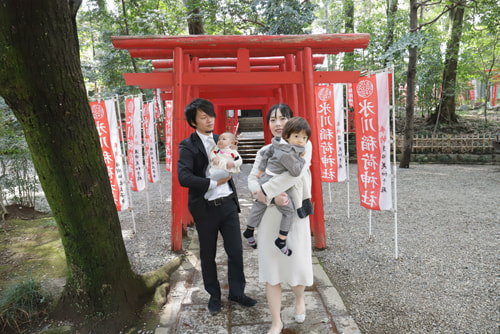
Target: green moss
{"x":30,"y":246}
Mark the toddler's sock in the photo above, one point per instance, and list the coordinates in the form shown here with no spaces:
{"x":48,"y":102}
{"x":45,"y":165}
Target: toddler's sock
{"x":281,"y":244}
{"x":248,"y":234}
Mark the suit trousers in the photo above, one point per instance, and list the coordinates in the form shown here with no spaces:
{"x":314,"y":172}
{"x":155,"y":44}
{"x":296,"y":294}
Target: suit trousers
{"x":223,"y":218}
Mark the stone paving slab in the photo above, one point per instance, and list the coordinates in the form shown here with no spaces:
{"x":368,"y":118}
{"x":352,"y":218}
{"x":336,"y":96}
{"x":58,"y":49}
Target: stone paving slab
{"x":186,"y":311}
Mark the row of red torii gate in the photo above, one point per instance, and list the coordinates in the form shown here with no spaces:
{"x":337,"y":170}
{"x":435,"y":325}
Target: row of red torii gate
{"x":239,"y":72}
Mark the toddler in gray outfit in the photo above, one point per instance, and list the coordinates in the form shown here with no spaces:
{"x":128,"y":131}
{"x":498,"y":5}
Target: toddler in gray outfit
{"x":284,"y":155}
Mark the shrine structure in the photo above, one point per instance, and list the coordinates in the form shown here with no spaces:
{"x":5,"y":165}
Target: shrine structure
{"x":239,"y":72}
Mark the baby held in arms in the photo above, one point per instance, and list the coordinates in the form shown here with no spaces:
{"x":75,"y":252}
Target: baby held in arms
{"x":224,"y":158}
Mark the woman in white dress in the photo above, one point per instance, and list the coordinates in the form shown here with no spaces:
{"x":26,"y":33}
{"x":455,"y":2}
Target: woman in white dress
{"x":274,"y":267}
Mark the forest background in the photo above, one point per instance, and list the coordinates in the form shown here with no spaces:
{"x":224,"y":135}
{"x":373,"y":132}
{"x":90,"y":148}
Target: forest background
{"x":441,"y":51}
{"x":437,"y":48}
{"x":444,"y":53}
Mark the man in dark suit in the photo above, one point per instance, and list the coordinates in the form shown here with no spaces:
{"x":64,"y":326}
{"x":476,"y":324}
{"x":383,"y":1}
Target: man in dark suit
{"x":218,"y":212}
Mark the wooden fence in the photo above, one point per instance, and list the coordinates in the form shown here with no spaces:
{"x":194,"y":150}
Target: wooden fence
{"x":474,"y":143}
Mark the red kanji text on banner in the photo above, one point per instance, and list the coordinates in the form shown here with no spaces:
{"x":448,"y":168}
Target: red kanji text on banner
{"x":168,"y":135}
{"x":330,"y":120}
{"x":134,"y":144}
{"x":107,"y":127}
{"x":371,"y":108}
{"x":150,"y":153}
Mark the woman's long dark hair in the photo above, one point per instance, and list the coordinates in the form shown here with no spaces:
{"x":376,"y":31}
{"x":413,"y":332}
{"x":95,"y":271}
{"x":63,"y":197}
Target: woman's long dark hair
{"x":286,"y":111}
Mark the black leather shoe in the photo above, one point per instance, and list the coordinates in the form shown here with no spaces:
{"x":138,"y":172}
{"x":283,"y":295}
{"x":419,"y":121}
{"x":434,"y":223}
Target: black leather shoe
{"x":214,"y":305}
{"x":243,"y":300}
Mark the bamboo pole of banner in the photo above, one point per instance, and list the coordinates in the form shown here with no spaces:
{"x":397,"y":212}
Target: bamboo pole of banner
{"x":396,"y":254}
{"x":370,"y":236}
{"x":147,"y":196}
{"x":346,"y":136}
{"x":330,"y":183}
{"x":127,"y":181}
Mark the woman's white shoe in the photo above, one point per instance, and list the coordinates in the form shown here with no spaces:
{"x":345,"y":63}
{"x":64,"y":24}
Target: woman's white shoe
{"x":279,"y":330}
{"x":299,"y":318}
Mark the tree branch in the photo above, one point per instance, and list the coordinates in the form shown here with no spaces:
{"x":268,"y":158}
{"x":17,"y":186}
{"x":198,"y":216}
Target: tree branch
{"x":446,"y":9}
{"x":426,"y":3}
{"x":255,"y":21}
{"x":74,"y":5}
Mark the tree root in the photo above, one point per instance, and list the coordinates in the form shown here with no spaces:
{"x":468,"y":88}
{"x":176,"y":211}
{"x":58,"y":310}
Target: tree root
{"x":155,"y":278}
{"x":159,"y":281}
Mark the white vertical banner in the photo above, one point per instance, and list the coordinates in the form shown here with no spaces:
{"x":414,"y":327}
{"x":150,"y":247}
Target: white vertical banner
{"x":338,"y":98}
{"x":330,"y":120}
{"x":150,"y":154}
{"x":134,"y":144}
{"x":383,"y":87}
{"x":114,"y":135}
{"x":350,"y":95}
{"x":168,"y":134}
{"x":474,"y":84}
{"x":102,"y":123}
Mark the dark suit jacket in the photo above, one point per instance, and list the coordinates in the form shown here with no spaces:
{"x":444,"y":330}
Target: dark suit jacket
{"x":191,"y":169}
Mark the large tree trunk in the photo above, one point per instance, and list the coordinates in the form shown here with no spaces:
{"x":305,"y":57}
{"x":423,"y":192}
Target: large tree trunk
{"x":41,"y":81}
{"x":195,"y":19}
{"x":487,"y":96}
{"x":445,"y":112}
{"x":392,"y":9}
{"x":410,"y":91}
{"x":349,"y":28}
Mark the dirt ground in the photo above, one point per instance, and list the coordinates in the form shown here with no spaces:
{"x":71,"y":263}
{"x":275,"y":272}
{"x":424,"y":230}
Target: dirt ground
{"x":24,"y":213}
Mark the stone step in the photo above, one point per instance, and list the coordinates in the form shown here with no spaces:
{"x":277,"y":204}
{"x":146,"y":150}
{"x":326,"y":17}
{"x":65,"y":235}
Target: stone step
{"x":248,"y":147}
{"x":250,"y":124}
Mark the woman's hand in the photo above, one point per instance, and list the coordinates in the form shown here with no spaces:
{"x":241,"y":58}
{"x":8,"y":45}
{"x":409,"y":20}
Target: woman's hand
{"x":282,"y":199}
{"x":260,"y":196}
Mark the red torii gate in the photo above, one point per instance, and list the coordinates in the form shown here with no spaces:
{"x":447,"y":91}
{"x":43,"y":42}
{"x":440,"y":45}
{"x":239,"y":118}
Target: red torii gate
{"x":238,"y":72}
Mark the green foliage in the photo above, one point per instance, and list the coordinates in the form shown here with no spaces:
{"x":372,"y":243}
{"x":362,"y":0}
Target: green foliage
{"x":18,"y":180}
{"x":104,"y":66}
{"x":288,"y":17}
{"x":485,"y":14}
{"x":429,"y":76}
{"x":22,"y":303}
{"x":377,"y":28}
{"x":229,"y":17}
{"x":11,"y":133}
{"x":480,"y":47}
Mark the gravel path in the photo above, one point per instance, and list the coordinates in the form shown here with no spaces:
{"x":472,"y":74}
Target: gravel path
{"x":446,"y":277}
